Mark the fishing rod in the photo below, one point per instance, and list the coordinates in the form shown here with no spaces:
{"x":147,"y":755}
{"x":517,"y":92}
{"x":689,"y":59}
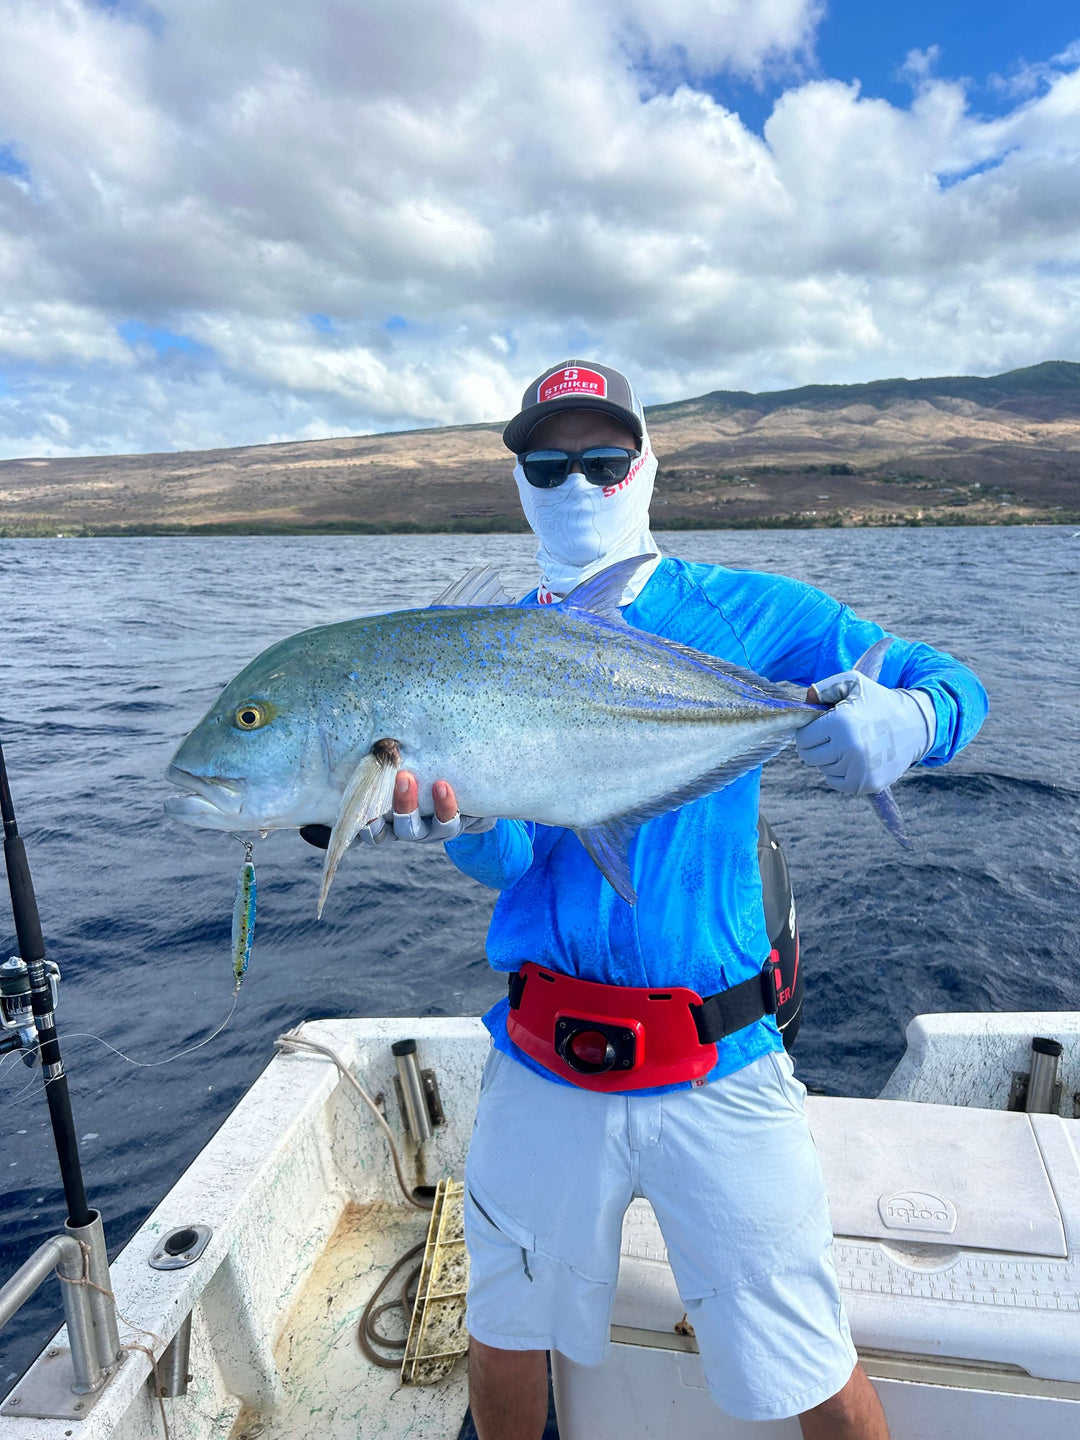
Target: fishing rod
{"x":41,"y":978}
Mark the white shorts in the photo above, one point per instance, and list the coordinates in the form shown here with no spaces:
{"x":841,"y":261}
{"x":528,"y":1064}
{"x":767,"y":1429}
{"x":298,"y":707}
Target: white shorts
{"x":730,"y":1170}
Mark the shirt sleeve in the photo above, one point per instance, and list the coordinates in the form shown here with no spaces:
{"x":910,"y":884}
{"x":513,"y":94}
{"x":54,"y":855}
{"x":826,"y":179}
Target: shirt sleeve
{"x":791,"y":631}
{"x":498,"y":858}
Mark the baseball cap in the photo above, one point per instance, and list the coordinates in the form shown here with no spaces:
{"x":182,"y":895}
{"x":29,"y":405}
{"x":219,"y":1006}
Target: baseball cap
{"x":575,"y":385}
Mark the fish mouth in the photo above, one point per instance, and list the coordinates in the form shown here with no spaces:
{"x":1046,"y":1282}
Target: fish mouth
{"x":206,"y":798}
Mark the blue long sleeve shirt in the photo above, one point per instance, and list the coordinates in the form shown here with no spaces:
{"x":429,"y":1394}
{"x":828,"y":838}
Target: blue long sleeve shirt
{"x":699,"y":920}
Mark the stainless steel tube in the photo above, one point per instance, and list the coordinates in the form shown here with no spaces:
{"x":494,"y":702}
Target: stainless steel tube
{"x":170,"y":1374}
{"x":412,"y":1090}
{"x":102,"y":1305}
{"x":62,"y":1253}
{"x":1043,"y":1081}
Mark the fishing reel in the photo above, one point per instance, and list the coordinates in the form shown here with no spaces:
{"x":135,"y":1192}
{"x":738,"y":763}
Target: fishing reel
{"x":16,"y":1006}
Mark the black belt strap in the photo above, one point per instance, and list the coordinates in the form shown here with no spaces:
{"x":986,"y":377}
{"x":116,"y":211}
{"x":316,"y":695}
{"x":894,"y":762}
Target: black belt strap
{"x":718,"y":1015}
{"x":730,"y":1010}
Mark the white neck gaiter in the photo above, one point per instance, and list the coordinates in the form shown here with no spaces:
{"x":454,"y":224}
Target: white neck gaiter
{"x":584,"y":528}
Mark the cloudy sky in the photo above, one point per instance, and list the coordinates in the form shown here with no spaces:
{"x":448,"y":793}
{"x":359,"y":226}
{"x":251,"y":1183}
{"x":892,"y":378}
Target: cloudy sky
{"x":229,"y":221}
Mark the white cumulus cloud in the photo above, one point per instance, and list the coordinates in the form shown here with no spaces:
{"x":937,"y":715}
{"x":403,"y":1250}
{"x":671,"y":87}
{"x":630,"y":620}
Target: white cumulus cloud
{"x":227,"y":222}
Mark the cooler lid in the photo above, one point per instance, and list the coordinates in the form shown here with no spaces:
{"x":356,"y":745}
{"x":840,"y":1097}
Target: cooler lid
{"x":936,"y":1174}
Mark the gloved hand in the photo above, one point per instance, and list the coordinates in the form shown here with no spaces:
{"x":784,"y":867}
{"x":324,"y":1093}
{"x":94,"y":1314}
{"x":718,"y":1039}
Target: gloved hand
{"x":405,"y":822}
{"x":871,"y":735}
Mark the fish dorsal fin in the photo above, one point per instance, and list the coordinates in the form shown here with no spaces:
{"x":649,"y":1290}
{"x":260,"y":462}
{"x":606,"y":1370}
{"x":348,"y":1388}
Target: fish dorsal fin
{"x":869,"y":662}
{"x":601,"y":593}
{"x":369,"y":793}
{"x":482,"y":585}
{"x":608,"y":845}
{"x":791,"y":694}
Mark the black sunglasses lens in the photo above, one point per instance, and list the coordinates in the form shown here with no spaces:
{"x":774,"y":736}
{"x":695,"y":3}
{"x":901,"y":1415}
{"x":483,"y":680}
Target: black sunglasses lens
{"x":545,"y":469}
{"x":606,"y":465}
{"x":602,"y":465}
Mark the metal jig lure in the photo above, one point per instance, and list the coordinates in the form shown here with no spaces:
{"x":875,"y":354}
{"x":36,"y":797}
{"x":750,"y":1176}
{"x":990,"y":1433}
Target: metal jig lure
{"x":243,"y":916}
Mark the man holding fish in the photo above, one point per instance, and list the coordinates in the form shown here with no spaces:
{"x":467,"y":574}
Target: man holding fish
{"x":604,"y":738}
{"x":726,"y":1158}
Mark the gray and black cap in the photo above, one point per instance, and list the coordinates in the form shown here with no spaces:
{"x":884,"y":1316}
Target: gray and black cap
{"x":575,"y":385}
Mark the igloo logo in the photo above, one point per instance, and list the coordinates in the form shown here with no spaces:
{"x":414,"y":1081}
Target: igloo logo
{"x":917,"y":1210}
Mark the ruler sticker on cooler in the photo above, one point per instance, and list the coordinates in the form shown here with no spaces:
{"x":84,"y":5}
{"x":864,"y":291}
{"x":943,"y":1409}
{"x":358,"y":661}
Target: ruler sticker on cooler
{"x":960,"y":1277}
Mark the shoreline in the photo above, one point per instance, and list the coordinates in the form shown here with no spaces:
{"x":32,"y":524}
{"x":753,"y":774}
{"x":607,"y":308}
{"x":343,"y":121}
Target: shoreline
{"x":476,"y":526}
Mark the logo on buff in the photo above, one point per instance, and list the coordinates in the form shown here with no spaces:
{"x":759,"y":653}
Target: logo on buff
{"x":610,"y":490}
{"x":573,"y":380}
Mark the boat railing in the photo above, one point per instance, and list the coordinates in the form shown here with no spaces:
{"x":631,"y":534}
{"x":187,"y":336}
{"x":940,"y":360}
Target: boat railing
{"x":78,"y":1258}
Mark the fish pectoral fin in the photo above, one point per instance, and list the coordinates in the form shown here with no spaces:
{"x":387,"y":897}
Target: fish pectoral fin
{"x":369,"y":793}
{"x":600,"y":593}
{"x":608,"y":845}
{"x":710,"y":782}
{"x":482,"y":585}
{"x":869,"y":662}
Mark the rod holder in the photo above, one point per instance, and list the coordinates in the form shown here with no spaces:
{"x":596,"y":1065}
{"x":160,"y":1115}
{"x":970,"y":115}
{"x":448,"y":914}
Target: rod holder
{"x":1043,"y":1085}
{"x":412,"y":1090}
{"x":102,"y":1304}
{"x":169,"y":1376}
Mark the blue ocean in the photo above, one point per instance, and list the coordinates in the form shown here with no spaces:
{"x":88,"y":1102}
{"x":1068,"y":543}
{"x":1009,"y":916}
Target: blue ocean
{"x":113,"y":649}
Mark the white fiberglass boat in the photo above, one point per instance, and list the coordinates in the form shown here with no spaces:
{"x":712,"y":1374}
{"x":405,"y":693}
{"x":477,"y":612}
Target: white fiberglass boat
{"x":958,"y":1249}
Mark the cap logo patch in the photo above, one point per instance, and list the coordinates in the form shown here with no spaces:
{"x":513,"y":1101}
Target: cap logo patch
{"x":573,"y":380}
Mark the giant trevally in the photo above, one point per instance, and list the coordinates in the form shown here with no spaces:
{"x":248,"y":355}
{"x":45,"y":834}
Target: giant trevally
{"x":562,"y":714}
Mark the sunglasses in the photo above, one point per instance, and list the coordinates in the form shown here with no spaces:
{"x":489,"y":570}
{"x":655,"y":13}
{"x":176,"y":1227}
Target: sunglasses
{"x":602,"y":465}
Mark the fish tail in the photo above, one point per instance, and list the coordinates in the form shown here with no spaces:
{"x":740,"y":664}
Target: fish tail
{"x":884,"y":802}
{"x":869,"y":662}
{"x":888,"y":812}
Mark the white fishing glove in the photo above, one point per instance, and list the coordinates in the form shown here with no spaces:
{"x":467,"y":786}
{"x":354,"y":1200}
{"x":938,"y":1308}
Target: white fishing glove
{"x":870,"y":737}
{"x":415,"y":826}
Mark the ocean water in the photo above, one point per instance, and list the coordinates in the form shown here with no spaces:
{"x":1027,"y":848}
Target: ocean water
{"x":111,"y":651}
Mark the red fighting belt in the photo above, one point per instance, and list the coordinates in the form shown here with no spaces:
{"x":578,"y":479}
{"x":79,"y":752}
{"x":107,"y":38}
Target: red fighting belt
{"x":621,"y":1037}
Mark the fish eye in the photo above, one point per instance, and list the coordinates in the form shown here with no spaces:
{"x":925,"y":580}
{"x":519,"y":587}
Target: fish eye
{"x":251,"y":715}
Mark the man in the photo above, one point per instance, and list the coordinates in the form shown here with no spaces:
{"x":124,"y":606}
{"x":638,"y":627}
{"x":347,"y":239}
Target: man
{"x":726,"y":1159}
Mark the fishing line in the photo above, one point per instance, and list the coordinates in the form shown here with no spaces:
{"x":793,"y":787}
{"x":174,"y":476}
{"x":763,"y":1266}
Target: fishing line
{"x":142,"y":1064}
{"x":153,"y":1064}
{"x":243,"y":933}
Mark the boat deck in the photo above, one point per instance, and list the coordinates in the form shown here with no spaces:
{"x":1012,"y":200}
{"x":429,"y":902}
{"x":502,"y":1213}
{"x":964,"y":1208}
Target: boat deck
{"x":330,"y":1387}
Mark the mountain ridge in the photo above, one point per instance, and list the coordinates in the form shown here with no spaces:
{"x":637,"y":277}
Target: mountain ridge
{"x":939,"y":450}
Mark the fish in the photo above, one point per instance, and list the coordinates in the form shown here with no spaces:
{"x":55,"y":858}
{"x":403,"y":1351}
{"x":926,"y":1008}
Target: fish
{"x":561,"y":714}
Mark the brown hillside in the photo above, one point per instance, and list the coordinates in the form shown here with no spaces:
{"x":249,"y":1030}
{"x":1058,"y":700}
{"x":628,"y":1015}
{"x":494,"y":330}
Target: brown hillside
{"x":958,"y":449}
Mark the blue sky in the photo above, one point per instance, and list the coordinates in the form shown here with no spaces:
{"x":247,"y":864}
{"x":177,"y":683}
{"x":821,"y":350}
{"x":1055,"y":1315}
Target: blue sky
{"x":982,"y":43}
{"x":248,"y":220}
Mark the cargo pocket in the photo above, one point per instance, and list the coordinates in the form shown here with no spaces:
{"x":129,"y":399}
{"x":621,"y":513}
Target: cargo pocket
{"x":509,"y":1230}
{"x":575,"y":1251}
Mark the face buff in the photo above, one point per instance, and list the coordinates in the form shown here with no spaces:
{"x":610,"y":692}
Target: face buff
{"x":583,"y":528}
